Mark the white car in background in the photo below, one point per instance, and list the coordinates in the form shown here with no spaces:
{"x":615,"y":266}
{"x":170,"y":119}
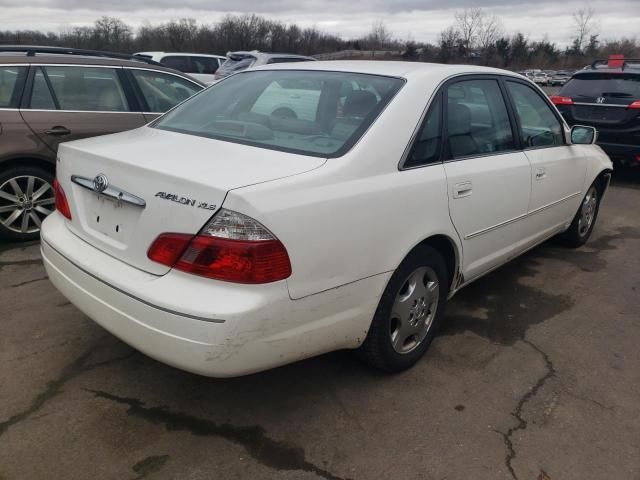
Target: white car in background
{"x":223,"y":240}
{"x":200,"y":66}
{"x":540,"y":78}
{"x":239,"y":61}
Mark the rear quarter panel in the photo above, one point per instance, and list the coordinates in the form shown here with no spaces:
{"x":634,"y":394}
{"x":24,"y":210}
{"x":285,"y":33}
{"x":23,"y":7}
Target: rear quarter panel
{"x":358,"y":215}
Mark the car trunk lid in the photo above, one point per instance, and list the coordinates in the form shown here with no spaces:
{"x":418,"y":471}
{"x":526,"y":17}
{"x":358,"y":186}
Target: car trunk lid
{"x":158,"y":181}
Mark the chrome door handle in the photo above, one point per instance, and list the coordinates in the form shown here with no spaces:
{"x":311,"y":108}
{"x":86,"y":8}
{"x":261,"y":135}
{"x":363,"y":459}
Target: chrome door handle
{"x":463,"y":189}
{"x":58,"y":130}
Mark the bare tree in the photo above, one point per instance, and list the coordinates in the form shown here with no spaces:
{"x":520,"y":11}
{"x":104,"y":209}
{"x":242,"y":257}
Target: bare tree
{"x":489,"y":30}
{"x":448,"y":43}
{"x":112,"y":33}
{"x":379,"y":38}
{"x":469,"y":23}
{"x":584,"y":26}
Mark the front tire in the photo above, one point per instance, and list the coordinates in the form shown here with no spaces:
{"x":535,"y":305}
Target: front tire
{"x":409,"y":312}
{"x":26,"y":198}
{"x":585,"y":219}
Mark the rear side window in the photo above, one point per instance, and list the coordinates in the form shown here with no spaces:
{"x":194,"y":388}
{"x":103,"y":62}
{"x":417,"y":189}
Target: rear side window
{"x":477,"y":119}
{"x":623,"y":86}
{"x":312,"y":113}
{"x":426,"y":148}
{"x":539,"y":126}
{"x":79,"y":89}
{"x":162,"y":91}
{"x":10,"y":79}
{"x":177,"y":62}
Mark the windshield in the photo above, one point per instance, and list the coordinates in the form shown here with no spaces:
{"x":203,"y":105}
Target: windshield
{"x":314,"y":113}
{"x":612,"y":85}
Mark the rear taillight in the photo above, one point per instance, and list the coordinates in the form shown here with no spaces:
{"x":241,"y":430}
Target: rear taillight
{"x":232,"y":247}
{"x":168,"y":247}
{"x":559,"y":100}
{"x":635,"y":105}
{"x":62,"y":205}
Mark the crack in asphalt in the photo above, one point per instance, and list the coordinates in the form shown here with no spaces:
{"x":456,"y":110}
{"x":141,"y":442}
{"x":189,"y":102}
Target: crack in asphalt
{"x":149,"y":465}
{"x":272,"y":453}
{"x":517,"y":413}
{"x":16,"y":285}
{"x":77,"y":367}
{"x":34,"y":261}
{"x":590,"y":400}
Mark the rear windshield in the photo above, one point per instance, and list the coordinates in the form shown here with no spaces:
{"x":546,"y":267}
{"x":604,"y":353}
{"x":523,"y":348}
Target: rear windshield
{"x":313,"y":113}
{"x":614,"y":85}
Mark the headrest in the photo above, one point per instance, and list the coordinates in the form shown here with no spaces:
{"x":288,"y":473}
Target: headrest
{"x":359,"y":103}
{"x":459,"y":122}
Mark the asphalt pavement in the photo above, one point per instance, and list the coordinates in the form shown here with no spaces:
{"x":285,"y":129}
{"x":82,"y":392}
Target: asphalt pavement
{"x":535,"y":376}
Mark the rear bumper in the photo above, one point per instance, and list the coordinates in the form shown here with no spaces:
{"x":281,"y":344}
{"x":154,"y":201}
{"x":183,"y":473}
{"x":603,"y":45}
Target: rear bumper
{"x":203,"y":326}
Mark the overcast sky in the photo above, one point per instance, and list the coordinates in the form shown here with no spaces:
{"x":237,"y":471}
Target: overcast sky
{"x":420,"y":20}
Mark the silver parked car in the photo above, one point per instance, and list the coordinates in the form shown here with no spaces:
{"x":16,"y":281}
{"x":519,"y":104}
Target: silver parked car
{"x":238,"y":61}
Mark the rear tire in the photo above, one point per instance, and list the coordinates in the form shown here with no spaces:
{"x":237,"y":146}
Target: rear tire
{"x":409,"y":312}
{"x":585,"y":219}
{"x":26,"y":198}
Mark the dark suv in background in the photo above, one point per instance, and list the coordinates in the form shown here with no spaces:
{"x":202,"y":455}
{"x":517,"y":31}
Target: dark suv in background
{"x":50,"y":95}
{"x":606,"y":95}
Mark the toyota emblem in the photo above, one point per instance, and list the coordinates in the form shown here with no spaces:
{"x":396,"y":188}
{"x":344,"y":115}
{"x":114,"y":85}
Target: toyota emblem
{"x":100,"y":183}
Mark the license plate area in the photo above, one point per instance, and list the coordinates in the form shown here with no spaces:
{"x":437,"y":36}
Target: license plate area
{"x":110,"y":218}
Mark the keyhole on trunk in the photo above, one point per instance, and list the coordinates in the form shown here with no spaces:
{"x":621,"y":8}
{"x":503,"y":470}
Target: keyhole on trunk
{"x":117,"y":228}
{"x":98,"y":219}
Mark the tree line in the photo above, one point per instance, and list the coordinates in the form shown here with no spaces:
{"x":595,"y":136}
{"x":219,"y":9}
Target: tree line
{"x":475,"y":36}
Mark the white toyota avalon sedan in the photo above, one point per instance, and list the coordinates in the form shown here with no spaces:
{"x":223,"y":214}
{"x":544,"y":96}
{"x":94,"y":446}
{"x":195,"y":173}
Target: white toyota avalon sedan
{"x":250,"y":227}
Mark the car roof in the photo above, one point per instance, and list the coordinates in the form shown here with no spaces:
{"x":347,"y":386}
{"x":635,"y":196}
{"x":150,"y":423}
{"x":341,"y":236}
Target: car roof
{"x":612,"y":65}
{"x":181,"y":54}
{"x":388,"y":68}
{"x":48,"y":58}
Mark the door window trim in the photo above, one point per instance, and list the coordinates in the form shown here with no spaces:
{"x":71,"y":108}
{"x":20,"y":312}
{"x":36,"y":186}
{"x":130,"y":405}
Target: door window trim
{"x":446,"y":154}
{"x":545,"y":98}
{"x":25,"y":104}
{"x":27,"y":89}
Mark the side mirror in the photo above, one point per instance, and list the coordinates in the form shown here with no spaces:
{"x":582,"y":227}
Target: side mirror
{"x":581,"y":135}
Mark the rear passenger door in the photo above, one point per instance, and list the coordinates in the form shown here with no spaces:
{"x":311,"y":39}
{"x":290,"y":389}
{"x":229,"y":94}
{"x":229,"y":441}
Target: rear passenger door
{"x":488,"y":176}
{"x":558,"y":171}
{"x":72,"y":102}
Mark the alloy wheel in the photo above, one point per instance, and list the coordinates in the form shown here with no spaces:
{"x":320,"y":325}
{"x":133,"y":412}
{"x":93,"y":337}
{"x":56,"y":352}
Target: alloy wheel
{"x":24,"y":202}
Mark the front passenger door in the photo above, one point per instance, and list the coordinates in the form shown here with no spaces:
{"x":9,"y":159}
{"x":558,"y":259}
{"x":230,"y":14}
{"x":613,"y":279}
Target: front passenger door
{"x":558,"y":174}
{"x":488,"y":177}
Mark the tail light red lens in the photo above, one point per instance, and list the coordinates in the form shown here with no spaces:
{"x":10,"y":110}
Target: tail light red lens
{"x":62,"y":205}
{"x":559,"y":100}
{"x":635,"y":105}
{"x":231,"y":247}
{"x":236,"y":261}
{"x":168,"y":248}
